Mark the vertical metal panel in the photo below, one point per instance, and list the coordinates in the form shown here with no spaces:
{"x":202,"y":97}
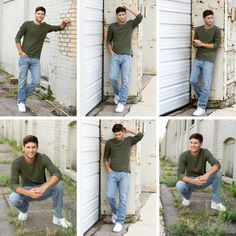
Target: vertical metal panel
{"x":175,"y":54}
{"x":92,"y":54}
{"x":89,"y":183}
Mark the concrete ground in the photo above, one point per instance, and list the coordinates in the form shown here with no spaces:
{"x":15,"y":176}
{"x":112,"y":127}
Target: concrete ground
{"x":145,"y":226}
{"x":40,"y":214}
{"x":172,"y":209}
{"x":34,"y":105}
{"x":146,"y":107}
{"x":189,"y":109}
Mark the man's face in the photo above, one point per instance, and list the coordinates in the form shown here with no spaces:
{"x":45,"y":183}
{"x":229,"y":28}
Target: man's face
{"x":30,"y":150}
{"x":195,"y":145}
{"x":119,"y":135}
{"x":39,"y":16}
{"x":209,"y":20}
{"x":121,"y":16}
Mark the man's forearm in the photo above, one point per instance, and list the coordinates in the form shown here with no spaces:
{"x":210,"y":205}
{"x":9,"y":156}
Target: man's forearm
{"x":19,"y":48}
{"x":107,"y":166}
{"x":212,"y":170}
{"x":22,"y":191}
{"x":134,"y":12}
{"x":53,"y":180}
{"x":109,"y":48}
{"x":188,"y":180}
{"x":208,"y":45}
{"x":131,"y":131}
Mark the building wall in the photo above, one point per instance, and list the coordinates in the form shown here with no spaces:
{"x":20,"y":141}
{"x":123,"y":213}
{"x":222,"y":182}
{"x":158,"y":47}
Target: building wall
{"x":149,"y":42}
{"x":135,"y":163}
{"x":55,"y":139}
{"x":135,"y":81}
{"x":219,"y":138}
{"x":58,"y":58}
{"x":148,"y":157}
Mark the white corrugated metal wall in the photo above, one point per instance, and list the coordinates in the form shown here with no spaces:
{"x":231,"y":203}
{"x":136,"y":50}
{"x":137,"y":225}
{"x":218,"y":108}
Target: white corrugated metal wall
{"x":175,"y":54}
{"x":91,"y":41}
{"x":89,"y":167}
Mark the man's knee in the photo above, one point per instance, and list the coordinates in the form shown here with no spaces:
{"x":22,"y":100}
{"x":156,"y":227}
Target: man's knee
{"x":59,"y":186}
{"x":218,"y":175}
{"x":14,"y":198}
{"x":180,"y":186}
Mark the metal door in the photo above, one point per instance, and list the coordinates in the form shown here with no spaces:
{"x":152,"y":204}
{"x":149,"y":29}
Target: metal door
{"x":175,"y":54}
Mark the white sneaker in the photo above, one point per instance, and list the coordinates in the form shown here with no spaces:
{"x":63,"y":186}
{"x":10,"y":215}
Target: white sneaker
{"x":116,"y":99}
{"x":64,"y":223}
{"x":199,"y":112}
{"x":113,"y":218}
{"x":120,"y":108}
{"x":186,"y":202}
{"x":21,"y":107}
{"x":217,"y":206}
{"x":117,"y":228}
{"x":22,"y":216}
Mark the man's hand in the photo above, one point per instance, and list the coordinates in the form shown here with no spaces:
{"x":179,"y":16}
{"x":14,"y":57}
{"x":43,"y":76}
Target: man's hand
{"x":199,"y":181}
{"x":128,"y":8}
{"x":34,"y":193}
{"x":197,"y":42}
{"x":112,"y":53}
{"x":43,"y":188}
{"x":108,"y":170}
{"x":66,"y":20}
{"x":23,"y":54}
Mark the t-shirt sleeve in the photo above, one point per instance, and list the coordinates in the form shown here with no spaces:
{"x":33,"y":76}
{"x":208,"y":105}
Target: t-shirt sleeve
{"x":21,"y":32}
{"x":137,"y":20}
{"x":53,"y":170}
{"x":182,"y":166}
{"x":217,"y":38}
{"x":106,"y":155}
{"x":15,"y":175}
{"x":109,"y":35}
{"x":52,"y":28}
{"x":212,"y":160}
{"x":136,"y":138}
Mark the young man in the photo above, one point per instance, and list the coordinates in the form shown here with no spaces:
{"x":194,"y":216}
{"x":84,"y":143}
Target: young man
{"x":119,"y":47}
{"x":117,"y":164}
{"x":207,"y":39}
{"x":34,"y":33}
{"x":193,"y":175}
{"x":34,"y":186}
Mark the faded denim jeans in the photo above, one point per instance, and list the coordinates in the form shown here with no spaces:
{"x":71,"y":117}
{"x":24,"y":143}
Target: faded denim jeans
{"x":187,"y":188}
{"x":123,"y":63}
{"x":28,"y":64}
{"x":118,"y":180}
{"x":204,"y":68}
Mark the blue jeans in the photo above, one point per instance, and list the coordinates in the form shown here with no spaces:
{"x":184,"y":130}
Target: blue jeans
{"x":21,"y":202}
{"x":121,"y":62}
{"x":119,"y":180}
{"x":204,"y":68}
{"x":187,"y":188}
{"x":33,"y":65}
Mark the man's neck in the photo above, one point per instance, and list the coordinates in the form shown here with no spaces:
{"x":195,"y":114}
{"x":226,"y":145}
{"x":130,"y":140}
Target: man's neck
{"x":195,"y":154}
{"x":208,"y":26}
{"x":121,"y":23}
{"x":28,"y":160}
{"x":37,"y":22}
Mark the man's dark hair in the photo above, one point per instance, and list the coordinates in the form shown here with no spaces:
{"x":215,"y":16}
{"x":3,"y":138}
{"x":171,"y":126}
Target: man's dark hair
{"x":117,"y":128}
{"x":40,"y":9}
{"x":29,"y":139}
{"x":120,"y":9}
{"x":197,"y":136}
{"x":207,"y":13}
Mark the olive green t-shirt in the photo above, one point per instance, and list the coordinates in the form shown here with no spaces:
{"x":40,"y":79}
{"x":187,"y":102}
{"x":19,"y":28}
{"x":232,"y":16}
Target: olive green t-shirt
{"x":195,"y":166}
{"x":212,"y":35}
{"x":34,"y":36}
{"x":118,"y":152}
{"x":34,"y":174}
{"x":120,"y":35}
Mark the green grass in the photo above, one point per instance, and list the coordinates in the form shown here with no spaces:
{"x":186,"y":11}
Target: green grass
{"x":166,"y":163}
{"x":48,"y":96}
{"x":70,"y":187}
{"x":17,"y":149}
{"x":5,"y":162}
{"x":169,"y":181}
{"x":5,"y":180}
